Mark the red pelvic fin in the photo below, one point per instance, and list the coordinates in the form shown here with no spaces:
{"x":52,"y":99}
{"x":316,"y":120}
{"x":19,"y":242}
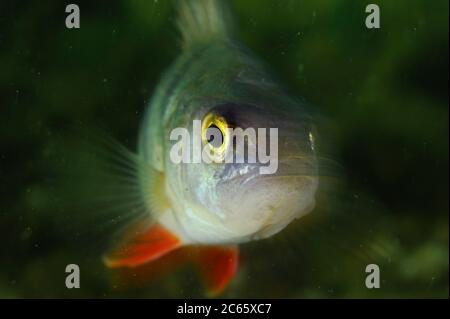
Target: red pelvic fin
{"x":142,"y":247}
{"x":218,"y":265}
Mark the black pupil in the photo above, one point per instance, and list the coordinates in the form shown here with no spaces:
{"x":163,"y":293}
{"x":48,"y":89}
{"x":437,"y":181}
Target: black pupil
{"x":211,"y":133}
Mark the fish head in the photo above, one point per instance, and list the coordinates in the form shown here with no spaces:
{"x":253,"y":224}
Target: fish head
{"x":258,"y":171}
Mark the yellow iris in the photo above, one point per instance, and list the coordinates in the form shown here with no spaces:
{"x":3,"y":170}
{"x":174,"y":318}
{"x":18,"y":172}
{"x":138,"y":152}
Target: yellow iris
{"x":211,"y":121}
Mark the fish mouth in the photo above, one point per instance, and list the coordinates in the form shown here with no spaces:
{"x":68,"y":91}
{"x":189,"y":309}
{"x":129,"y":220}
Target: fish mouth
{"x":294,"y":166}
{"x":297,"y":166}
{"x":271,"y":201}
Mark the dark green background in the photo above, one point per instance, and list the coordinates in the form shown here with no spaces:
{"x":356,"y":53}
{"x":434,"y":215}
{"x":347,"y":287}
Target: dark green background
{"x":385,"y":91}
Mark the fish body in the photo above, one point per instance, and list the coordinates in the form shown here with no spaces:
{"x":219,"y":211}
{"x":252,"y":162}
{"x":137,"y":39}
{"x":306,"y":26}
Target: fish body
{"x":217,"y":205}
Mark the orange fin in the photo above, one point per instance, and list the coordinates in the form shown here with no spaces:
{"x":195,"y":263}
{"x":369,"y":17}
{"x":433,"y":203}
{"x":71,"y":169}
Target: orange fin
{"x":149,"y":273}
{"x":218,"y":265}
{"x":143,"y":247}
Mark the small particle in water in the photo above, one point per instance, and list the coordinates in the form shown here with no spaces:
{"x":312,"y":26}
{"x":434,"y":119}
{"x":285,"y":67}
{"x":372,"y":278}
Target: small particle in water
{"x":17,"y":96}
{"x":312,"y":140}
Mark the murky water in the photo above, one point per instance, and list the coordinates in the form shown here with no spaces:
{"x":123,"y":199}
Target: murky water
{"x":382,"y":95}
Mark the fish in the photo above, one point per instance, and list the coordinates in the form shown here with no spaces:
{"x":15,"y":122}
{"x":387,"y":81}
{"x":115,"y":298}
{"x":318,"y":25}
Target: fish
{"x":209,"y":209}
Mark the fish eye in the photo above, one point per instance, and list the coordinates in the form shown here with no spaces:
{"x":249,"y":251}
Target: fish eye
{"x":214,"y":133}
{"x":214,"y":136}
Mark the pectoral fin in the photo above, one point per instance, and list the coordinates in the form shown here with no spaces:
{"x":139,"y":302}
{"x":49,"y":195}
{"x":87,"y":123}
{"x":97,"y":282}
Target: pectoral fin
{"x":142,"y":247}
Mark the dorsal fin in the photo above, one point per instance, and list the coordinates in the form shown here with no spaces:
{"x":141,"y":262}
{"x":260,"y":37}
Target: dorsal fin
{"x":200,"y":21}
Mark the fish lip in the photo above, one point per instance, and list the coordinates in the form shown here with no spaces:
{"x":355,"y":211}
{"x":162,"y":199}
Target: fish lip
{"x":298,"y":166}
{"x":248,"y":175}
{"x":289,"y":167}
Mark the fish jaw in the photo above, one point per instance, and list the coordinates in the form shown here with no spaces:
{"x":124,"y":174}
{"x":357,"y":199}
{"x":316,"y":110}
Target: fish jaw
{"x":249,"y":216}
